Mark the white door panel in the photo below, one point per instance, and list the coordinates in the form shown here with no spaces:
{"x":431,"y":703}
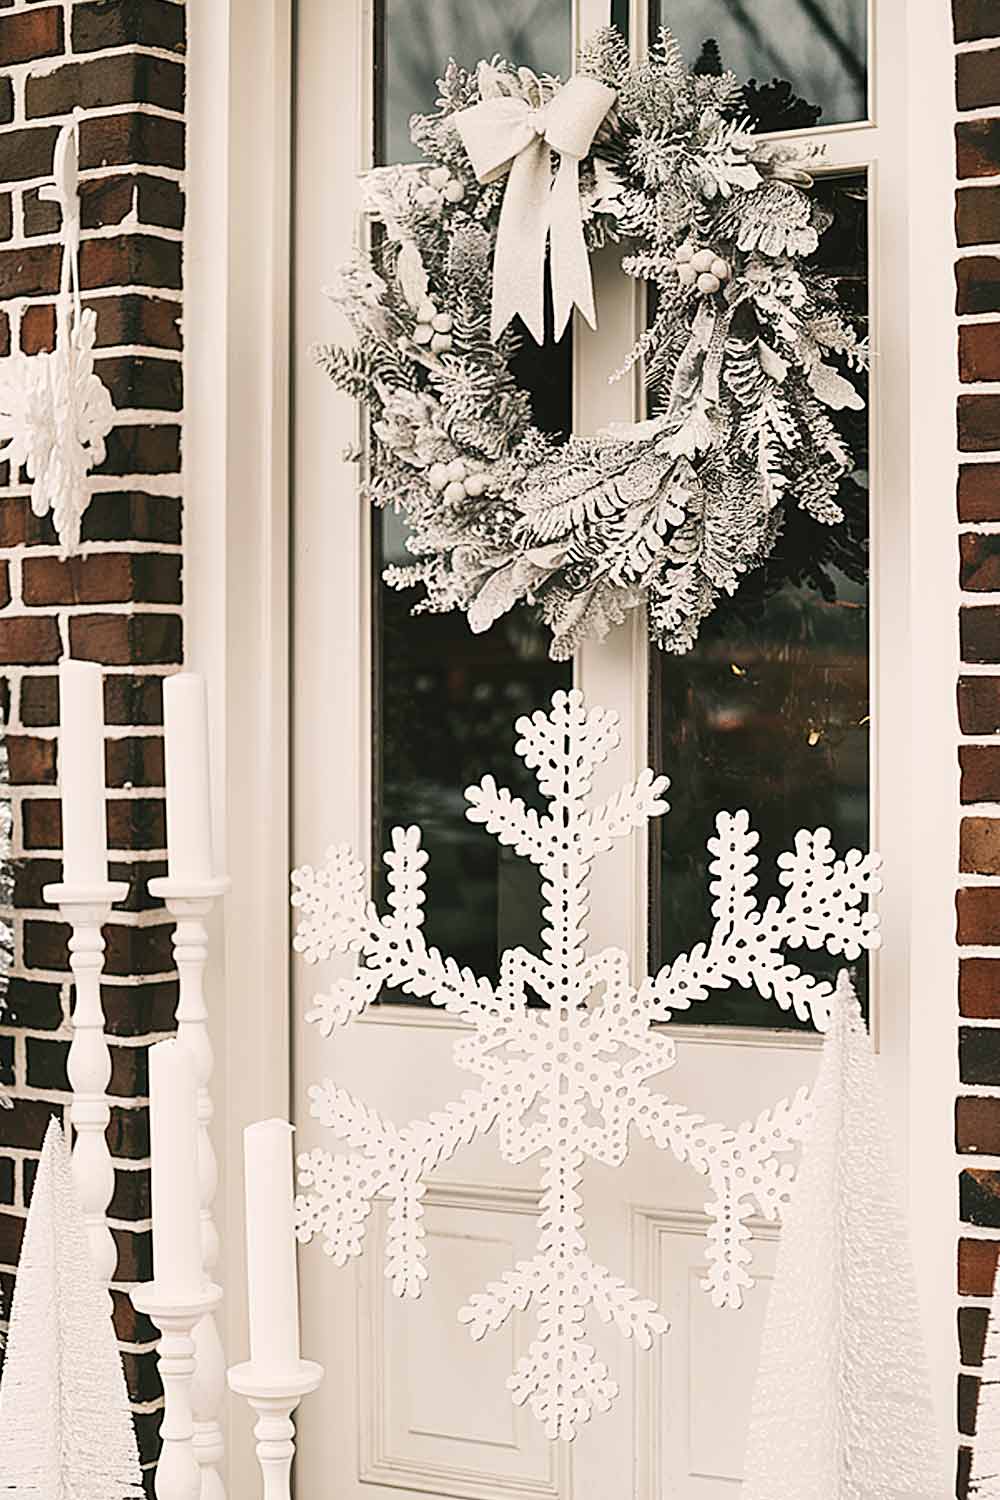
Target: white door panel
{"x":410,"y":1403}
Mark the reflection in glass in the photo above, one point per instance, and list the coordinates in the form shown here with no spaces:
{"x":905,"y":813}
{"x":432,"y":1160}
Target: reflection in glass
{"x":819,"y":47}
{"x":445,"y":700}
{"x":770,"y":710}
{"x":418,"y":37}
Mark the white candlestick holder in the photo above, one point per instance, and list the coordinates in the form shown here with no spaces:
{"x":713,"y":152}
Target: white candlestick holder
{"x":190,"y":903}
{"x":86,"y":909}
{"x":274,"y":1396}
{"x":179,"y":1474}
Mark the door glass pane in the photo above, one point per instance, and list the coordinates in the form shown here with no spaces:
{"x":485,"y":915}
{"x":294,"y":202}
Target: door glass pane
{"x":770,"y":710}
{"x":445,"y":700}
{"x":816,"y":49}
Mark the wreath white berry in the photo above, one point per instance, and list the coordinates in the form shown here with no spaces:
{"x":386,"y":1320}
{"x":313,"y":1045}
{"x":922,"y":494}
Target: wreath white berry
{"x":748,"y":358}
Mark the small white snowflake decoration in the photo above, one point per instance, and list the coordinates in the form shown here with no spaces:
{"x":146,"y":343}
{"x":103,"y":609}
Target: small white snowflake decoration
{"x":55,"y":411}
{"x":570,"y":1079}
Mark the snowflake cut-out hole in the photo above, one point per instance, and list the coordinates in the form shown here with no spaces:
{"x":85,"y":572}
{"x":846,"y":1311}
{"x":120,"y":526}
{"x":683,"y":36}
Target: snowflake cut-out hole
{"x":569,"y":1079}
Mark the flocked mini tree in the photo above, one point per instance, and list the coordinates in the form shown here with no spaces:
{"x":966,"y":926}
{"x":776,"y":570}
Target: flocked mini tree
{"x":65,"y":1427}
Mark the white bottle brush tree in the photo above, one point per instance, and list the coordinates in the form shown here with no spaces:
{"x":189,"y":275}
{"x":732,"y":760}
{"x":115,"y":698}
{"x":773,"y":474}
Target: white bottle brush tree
{"x":66,"y":1431}
{"x":842,"y":1408}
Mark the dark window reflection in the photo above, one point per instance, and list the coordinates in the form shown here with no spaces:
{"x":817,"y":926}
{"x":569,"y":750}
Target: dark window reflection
{"x":818,"y":47}
{"x":445,"y":700}
{"x":770,"y":710}
{"x":415,"y":38}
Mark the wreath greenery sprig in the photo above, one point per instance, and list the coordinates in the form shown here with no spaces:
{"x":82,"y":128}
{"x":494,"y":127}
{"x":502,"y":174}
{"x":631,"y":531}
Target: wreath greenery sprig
{"x":748,"y":352}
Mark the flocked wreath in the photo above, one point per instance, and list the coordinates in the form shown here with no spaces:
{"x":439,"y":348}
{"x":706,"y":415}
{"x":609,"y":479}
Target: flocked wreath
{"x":748,"y":350}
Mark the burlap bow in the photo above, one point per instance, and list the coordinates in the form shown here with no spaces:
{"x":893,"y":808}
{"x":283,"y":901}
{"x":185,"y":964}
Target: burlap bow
{"x":505,"y":135}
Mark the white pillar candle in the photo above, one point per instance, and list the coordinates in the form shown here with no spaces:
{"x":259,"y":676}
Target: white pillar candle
{"x":81,"y":773}
{"x":272,"y":1272}
{"x":173,"y":1130}
{"x":189,"y":808}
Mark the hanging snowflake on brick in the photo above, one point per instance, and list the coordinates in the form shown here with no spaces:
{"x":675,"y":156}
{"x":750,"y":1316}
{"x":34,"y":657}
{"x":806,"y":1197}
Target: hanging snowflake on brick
{"x":55,"y":411}
{"x":569,"y":1079}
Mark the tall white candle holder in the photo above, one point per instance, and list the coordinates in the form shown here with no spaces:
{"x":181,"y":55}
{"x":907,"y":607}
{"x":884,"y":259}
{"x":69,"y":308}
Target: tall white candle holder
{"x":274,"y":1395}
{"x":179,"y":1473}
{"x":190,"y":902}
{"x":86,"y":908}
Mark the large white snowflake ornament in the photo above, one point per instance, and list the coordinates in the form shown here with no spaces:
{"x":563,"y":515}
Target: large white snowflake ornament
{"x":569,"y":1079}
{"x":55,"y":411}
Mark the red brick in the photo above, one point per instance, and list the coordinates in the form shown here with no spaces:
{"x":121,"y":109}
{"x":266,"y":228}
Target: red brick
{"x":123,"y":640}
{"x":25,"y":1125}
{"x":47,"y":1063}
{"x":31,"y":761}
{"x":31,"y":876}
{"x":34,"y":1004}
{"x":977,"y":1261}
{"x":102,"y":578}
{"x":147,"y":23}
{"x":30,"y":34}
{"x":135,"y":1263}
{"x":133,"y":1327}
{"x":6,"y":1180}
{"x":977,"y":284}
{"x":977,"y":148}
{"x":979,"y":988}
{"x":979,"y":492}
{"x":979,"y":351}
{"x":980,"y":633}
{"x":136,"y":380}
{"x":6,"y":216}
{"x":979,"y":1197}
{"x":975,"y":20}
{"x":978,"y":215}
{"x":32,"y":640}
{"x":137,"y":823}
{"x":129,"y":1072}
{"x":38,"y":328}
{"x":968,"y":1400}
{"x":142,"y":450}
{"x":131,"y":1197}
{"x":977,"y":1125}
{"x":980,"y":766}
{"x":979,"y":1054}
{"x":978,"y":705}
{"x":133,"y":700}
{"x":134,"y":760}
{"x":29,"y":269}
{"x":972,"y":1325}
{"x":41,"y":819}
{"x":141,"y":1376}
{"x":133,"y":952}
{"x":6,"y":101}
{"x":123,"y":78}
{"x":128,"y":1132}
{"x":23,"y":154}
{"x":978,"y":423}
{"x":135,"y":875}
{"x":135,"y":319}
{"x":45,"y":946}
{"x":4,"y":335}
{"x":40,"y":699}
{"x":106,"y":201}
{"x":977,"y":78}
{"x":121,"y":260}
{"x":139,"y":1009}
{"x":979,"y":846}
{"x":978,"y":909}
{"x":11,"y":1236}
{"x":132,"y":139}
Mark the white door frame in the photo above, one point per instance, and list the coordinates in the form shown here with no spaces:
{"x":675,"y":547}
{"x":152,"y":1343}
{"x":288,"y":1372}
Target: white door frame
{"x":237,"y":461}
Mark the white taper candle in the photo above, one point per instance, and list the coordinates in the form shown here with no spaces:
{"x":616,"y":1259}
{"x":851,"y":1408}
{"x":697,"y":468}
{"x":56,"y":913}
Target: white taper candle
{"x":173,"y":1129}
{"x":81,"y":773}
{"x":189,"y":808}
{"x":272,"y":1272}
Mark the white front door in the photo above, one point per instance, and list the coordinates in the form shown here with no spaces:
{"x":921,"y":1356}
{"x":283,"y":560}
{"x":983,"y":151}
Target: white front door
{"x":785,"y":712}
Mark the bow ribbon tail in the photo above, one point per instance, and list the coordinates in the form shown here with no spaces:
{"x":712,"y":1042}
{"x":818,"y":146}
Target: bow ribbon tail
{"x":519,"y":257}
{"x":572,"y":285}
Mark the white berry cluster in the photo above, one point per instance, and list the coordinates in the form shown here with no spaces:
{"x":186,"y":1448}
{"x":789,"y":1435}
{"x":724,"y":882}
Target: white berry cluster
{"x":440,"y":188}
{"x":457,"y":480}
{"x":433,"y":327}
{"x":702,"y":269}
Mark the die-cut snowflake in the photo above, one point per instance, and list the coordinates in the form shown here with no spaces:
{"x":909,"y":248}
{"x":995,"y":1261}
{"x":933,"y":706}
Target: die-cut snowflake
{"x":569,"y":1079}
{"x":55,"y":411}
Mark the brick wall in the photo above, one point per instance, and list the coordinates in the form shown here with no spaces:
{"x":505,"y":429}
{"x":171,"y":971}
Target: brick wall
{"x":118,"y":602}
{"x":977,"y":305}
